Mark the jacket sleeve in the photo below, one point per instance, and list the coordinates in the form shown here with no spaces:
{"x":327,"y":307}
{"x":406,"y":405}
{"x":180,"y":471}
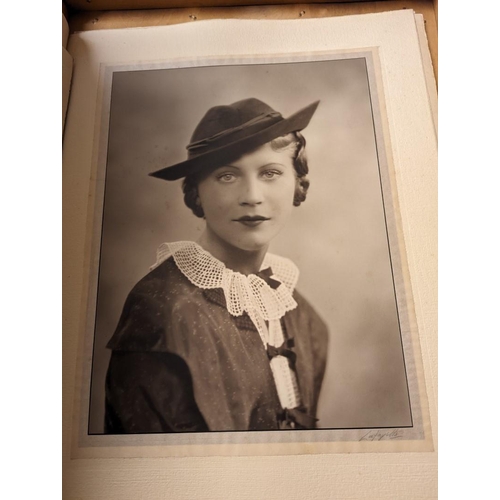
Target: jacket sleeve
{"x":148,"y":392}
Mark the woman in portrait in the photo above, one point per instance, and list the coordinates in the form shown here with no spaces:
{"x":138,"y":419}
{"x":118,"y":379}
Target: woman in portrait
{"x":216,"y":337}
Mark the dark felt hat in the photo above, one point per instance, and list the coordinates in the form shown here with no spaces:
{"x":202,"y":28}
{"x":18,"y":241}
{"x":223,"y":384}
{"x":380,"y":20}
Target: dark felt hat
{"x":227,"y":132}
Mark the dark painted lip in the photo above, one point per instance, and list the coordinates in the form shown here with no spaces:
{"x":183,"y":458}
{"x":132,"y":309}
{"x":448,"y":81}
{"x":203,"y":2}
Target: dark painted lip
{"x":255,"y":218}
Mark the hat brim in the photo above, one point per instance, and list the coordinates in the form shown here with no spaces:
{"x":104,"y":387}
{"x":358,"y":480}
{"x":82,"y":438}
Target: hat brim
{"x":230,"y":152}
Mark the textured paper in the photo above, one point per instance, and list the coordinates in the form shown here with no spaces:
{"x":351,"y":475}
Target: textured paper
{"x":409,"y":121}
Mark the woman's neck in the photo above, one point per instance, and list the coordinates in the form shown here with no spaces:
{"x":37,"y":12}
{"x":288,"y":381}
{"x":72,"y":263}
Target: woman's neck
{"x":242,"y":261}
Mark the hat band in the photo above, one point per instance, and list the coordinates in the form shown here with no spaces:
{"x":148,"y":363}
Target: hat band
{"x":234,"y":133}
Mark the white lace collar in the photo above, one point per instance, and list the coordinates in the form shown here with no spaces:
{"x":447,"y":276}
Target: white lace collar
{"x":250,"y":294}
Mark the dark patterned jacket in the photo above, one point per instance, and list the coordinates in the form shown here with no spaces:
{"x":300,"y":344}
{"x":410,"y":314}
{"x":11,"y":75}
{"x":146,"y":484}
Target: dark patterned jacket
{"x":181,"y":362}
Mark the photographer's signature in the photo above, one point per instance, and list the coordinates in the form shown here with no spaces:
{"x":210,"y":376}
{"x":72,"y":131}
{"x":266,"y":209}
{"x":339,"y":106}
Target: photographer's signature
{"x":377,"y":435}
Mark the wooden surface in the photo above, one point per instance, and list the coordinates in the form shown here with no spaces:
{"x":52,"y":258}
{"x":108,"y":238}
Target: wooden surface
{"x":169,"y":4}
{"x":96,"y":20}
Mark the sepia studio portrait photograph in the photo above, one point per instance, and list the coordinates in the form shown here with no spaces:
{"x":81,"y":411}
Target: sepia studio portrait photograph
{"x":246,"y":280}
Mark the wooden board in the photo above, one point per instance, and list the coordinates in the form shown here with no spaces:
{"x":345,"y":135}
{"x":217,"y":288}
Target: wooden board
{"x":170,"y":4}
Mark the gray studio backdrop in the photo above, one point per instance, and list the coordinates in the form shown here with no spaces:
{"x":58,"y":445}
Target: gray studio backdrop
{"x":337,"y":237}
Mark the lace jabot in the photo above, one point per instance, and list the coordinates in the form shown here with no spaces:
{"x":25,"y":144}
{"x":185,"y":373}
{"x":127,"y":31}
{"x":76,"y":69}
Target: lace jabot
{"x":250,"y":294}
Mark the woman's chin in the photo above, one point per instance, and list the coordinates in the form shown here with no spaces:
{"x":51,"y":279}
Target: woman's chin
{"x":252,"y":246}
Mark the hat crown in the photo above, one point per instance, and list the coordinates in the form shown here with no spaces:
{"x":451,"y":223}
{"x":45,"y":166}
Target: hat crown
{"x":223,"y":118}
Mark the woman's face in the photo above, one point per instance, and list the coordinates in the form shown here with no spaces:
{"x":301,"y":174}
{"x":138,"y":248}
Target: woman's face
{"x":247,"y":203}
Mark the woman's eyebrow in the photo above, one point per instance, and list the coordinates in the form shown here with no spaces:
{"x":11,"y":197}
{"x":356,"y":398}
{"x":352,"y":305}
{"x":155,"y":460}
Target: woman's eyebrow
{"x":271,"y":164}
{"x":235,"y":167}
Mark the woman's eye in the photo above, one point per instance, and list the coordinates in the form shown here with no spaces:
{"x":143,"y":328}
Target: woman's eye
{"x":271,"y":174}
{"x":227,"y":177}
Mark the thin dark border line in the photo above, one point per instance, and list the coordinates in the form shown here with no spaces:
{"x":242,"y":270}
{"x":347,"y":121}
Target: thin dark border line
{"x":209,"y":433}
{"x":364,"y":58}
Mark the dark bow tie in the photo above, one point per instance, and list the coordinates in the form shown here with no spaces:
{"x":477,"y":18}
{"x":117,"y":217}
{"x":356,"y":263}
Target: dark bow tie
{"x":285,"y":350}
{"x":266,"y":274}
{"x":296,"y":418}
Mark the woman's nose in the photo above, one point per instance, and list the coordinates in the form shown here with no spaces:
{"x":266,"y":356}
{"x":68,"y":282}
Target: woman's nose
{"x":251,"y":193}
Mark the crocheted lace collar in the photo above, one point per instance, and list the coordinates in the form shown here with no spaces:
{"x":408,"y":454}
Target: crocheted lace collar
{"x":250,"y":294}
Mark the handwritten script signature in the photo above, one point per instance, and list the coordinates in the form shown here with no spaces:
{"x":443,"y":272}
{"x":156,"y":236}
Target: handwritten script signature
{"x":377,"y":435}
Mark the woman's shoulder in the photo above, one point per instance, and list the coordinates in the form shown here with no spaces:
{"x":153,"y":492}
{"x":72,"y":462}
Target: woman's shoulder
{"x":304,"y":307}
{"x":308,"y":319}
{"x":167,"y":292}
{"x":160,"y":277}
{"x":156,"y":305}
